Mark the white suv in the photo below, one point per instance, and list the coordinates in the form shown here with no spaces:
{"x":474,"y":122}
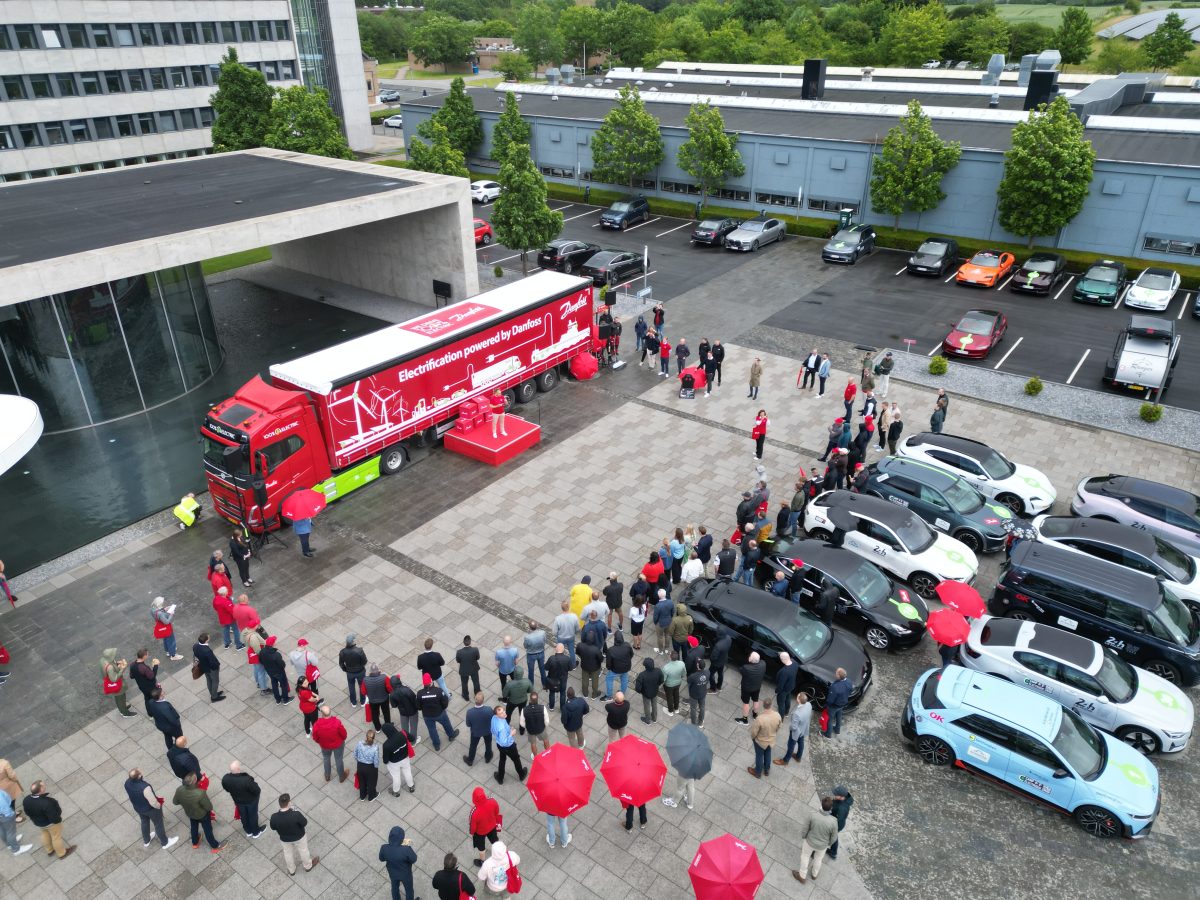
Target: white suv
{"x":1145,"y":711}
{"x":1023,"y":489}
{"x":892,"y":537}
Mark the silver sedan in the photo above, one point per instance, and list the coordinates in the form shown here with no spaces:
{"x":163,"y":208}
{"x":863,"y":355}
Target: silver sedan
{"x":755,"y":233}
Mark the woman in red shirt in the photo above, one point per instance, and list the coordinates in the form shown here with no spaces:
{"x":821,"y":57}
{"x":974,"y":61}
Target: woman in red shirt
{"x":309,"y":701}
{"x":497,"y":401}
{"x":759,"y":433}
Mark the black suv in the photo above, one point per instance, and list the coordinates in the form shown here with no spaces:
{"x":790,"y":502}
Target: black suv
{"x":849,"y":244}
{"x":566,"y":255}
{"x":625,"y":212}
{"x":1131,"y":614}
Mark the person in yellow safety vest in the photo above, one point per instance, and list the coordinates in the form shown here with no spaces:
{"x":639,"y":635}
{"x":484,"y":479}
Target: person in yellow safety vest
{"x":187,"y":511}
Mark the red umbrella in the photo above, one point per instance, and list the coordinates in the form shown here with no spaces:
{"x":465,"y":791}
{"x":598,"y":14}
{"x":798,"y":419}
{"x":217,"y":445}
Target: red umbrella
{"x":560,"y":780}
{"x":633,"y":769}
{"x":961,"y":597}
{"x":302,"y":504}
{"x":948,"y":627}
{"x":725,"y":868}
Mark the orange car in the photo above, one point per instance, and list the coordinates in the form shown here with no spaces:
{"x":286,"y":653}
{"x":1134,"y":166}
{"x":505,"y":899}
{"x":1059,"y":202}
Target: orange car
{"x":985,"y":268}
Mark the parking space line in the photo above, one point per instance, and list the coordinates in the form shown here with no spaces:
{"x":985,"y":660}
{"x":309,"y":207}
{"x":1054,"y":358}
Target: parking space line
{"x":676,"y":228}
{"x":1064,"y":287}
{"x":561,"y":208}
{"x":632,"y":280}
{"x":1009,"y":353}
{"x":902,"y":271}
{"x":1121,"y":299}
{"x":935,"y":349}
{"x":1075,"y":371}
{"x":951,"y":278}
{"x":647,"y":222}
{"x":1004,"y":283}
{"x":506,"y":259}
{"x":580,"y":216}
{"x":1183,"y":308}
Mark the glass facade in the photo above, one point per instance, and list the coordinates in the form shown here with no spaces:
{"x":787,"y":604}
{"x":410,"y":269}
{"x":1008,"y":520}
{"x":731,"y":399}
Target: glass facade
{"x":314,"y":41}
{"x":106,"y":351}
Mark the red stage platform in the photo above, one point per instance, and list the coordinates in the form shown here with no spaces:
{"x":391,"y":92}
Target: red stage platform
{"x":479,"y":444}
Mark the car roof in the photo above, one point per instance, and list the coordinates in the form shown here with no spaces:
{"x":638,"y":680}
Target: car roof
{"x":990,"y":313}
{"x":1131,"y":486}
{"x":861,"y":226}
{"x":1099,"y":530}
{"x":1041,"y":256}
{"x":1107,"y":578}
{"x":1107,"y":263}
{"x":1151,"y":325}
{"x":607,"y":254}
{"x":953,"y":442}
{"x":971,"y":691}
{"x":934,"y":239}
{"x":988,"y":251}
{"x":759,"y":605}
{"x":835,"y":561}
{"x":876,"y":508}
{"x":919,"y":470}
{"x":1157,"y":270}
{"x":1074,"y":649}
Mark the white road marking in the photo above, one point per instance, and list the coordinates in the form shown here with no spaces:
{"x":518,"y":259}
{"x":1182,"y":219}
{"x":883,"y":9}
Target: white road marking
{"x":632,"y":280}
{"x":676,"y":228}
{"x":1184,"y":307}
{"x":580,"y":216}
{"x":952,"y":277}
{"x":1075,"y":371}
{"x":1064,"y":287}
{"x":1004,"y":284}
{"x":560,"y":208}
{"x":1121,"y":299}
{"x":647,"y":222}
{"x":505,"y":259}
{"x":902,"y":271}
{"x":934,"y":350}
{"x":1009,"y":353}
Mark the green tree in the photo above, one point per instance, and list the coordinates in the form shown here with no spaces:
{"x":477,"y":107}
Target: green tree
{"x":1133,"y":6}
{"x":1074,"y":36}
{"x":709,"y":154}
{"x":773,"y":47}
{"x":384,"y":36}
{"x":510,"y":129}
{"x":1119,"y":54}
{"x":981,"y":36}
{"x":1168,"y":45}
{"x":908,"y":175}
{"x":1029,"y":37}
{"x":242,"y":104}
{"x":580,"y":29}
{"x":439,"y":155}
{"x":914,"y":34}
{"x":458,"y":116}
{"x":520,"y":217}
{"x":302,"y":121}
{"x":441,"y":40}
{"x":497,"y":28}
{"x":1047,"y":172}
{"x":628,"y":143}
{"x":514,"y":66}
{"x":630,"y":32}
{"x":730,"y":44}
{"x":537,"y":34}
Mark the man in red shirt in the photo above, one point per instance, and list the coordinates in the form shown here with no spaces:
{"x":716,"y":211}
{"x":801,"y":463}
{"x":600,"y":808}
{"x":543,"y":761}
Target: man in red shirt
{"x":330,"y":735}
{"x":223,"y":607}
{"x":245,"y":615}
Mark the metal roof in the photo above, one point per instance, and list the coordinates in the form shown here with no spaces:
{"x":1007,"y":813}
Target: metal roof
{"x":1139,"y":26}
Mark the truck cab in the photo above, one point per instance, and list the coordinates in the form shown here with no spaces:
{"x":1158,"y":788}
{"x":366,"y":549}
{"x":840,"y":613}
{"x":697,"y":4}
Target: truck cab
{"x":1145,"y":355}
{"x":260,"y":445}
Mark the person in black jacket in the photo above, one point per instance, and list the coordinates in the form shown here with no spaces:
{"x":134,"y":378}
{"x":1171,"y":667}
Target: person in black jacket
{"x":693,"y":655}
{"x":145,"y":803}
{"x":210,"y":666}
{"x":239,"y":550}
{"x":395,"y":757}
{"x":479,"y":725}
{"x":352,"y":660}
{"x":244,"y":791}
{"x":719,"y":659}
{"x":182,"y":760}
{"x":745,"y":510}
{"x":619,"y":661}
{"x":451,"y":883}
{"x":275,"y":666}
{"x":718,"y":355}
{"x":404,"y":699}
{"x":647,"y":683}
{"x":433,"y":702}
{"x":697,"y":683}
{"x":617,"y":716}
{"x":145,"y":675}
{"x":291,"y":826}
{"x":467,"y":658}
{"x":829,"y":601}
{"x":166,"y":719}
{"x":753,"y":673}
{"x":726,"y":559}
{"x":572,"y":714}
{"x":535,"y":723}
{"x":399,"y":857}
{"x":377,"y":687}
{"x":558,"y":667}
{"x":591,"y":657}
{"x":710,"y":371}
{"x":430,"y":663}
{"x":785,"y":684}
{"x":44,"y":812}
{"x":704,"y":550}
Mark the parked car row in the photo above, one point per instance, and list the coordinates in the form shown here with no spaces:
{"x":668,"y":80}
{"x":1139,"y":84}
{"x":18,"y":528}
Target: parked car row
{"x":591,"y":261}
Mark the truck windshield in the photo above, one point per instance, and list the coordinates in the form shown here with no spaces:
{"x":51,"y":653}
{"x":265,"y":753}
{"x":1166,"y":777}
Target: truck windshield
{"x":214,"y":453}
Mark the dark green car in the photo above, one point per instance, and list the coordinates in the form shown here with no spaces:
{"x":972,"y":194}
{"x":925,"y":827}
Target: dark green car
{"x":1102,"y":283}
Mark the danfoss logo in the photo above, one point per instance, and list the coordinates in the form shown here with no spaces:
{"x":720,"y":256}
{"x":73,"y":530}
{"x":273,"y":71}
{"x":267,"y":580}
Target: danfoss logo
{"x":568,"y":308}
{"x":281,"y":429}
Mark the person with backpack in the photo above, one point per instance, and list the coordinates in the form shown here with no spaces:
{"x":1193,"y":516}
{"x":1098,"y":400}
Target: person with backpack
{"x":404,"y":701}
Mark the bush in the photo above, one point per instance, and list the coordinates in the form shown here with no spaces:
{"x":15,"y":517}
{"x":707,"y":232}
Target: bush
{"x":1151,"y":412}
{"x":1034,"y":386}
{"x":938,"y":366}
{"x":498,"y":271}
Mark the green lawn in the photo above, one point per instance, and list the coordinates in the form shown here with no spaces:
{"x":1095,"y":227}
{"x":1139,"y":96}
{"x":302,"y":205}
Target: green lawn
{"x":1050,"y":15}
{"x":387,"y":68}
{"x":235,"y":260}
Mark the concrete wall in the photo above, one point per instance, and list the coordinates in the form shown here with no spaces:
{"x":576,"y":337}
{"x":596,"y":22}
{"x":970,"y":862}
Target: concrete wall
{"x":347,"y":53}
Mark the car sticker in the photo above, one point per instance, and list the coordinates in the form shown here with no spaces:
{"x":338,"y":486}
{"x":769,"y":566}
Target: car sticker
{"x":898,"y":500}
{"x":908,"y":611}
{"x":966,"y":340}
{"x":882,"y":476}
{"x":941,"y":523}
{"x":1166,"y":698}
{"x":1035,"y":784}
{"x":1069,"y":623}
{"x":1133,"y":773}
{"x":1037,"y":685}
{"x":1029,"y":277}
{"x":981,"y":755}
{"x":1034,"y":483}
{"x":953,"y":555}
{"x":1083,"y":705}
{"x":937,"y":717}
{"x":1002,"y":511}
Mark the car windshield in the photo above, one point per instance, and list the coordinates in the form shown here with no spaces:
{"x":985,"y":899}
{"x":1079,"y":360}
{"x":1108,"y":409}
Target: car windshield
{"x":620,"y":207}
{"x":931,"y":248}
{"x":1180,"y":566}
{"x":1080,"y":745}
{"x":868,"y":585}
{"x":1041,"y":265}
{"x":1118,"y":678}
{"x":964,"y":498}
{"x":915,"y":535}
{"x":1107,"y":274}
{"x":996,"y":466}
{"x":753,"y":225}
{"x":985,"y":259}
{"x":1174,"y":618}
{"x":1155,"y":282}
{"x":710,"y":224}
{"x":805,"y":635}
{"x":975,"y":325}
{"x":848,"y":237}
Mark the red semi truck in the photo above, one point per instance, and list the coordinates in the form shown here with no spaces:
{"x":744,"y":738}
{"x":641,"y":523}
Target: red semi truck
{"x":337,"y":419}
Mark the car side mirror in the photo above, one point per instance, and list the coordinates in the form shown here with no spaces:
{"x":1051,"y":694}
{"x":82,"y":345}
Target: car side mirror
{"x":1061,"y":773}
{"x":1140,"y":629}
{"x":1103,"y":698}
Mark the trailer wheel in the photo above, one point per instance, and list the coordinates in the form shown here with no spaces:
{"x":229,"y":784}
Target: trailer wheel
{"x":526,"y":391}
{"x":510,"y":400}
{"x":392,"y":460}
{"x":547,"y":381}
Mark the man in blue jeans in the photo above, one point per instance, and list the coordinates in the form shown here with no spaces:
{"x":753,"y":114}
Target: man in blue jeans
{"x":303,"y":528}
{"x":433,"y":702}
{"x":566,"y":627}
{"x":535,"y":650}
{"x":839,"y":697}
{"x":750,"y":557}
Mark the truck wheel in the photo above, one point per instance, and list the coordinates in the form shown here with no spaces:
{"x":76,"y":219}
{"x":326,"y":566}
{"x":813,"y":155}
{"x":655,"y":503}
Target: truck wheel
{"x":392,"y":460}
{"x":547,"y":381}
{"x":526,"y":391}
{"x":510,"y":400}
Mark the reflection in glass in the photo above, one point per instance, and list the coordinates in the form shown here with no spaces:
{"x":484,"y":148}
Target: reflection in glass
{"x":98,"y":349}
{"x":149,"y":340}
{"x":181,"y":313}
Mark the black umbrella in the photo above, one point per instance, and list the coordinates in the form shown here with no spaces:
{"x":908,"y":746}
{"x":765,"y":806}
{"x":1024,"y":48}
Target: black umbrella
{"x":689,"y":751}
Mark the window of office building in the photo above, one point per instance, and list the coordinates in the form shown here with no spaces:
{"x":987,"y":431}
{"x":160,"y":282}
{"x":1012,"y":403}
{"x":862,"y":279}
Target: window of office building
{"x":66,"y":85}
{"x":229,"y":32}
{"x":146,"y":33}
{"x":288,"y":70}
{"x":14,"y":87}
{"x":6,"y":138}
{"x":114,"y":82}
{"x":104,"y":129}
{"x":137,"y":79}
{"x":51,"y":39}
{"x":264,"y":30}
{"x":170,"y":36}
{"x":177,"y":77}
{"x":208,"y":31}
{"x":30,"y":136}
{"x":39,"y":86}
{"x":158,"y":80}
{"x":775,"y":199}
{"x":90,"y":82}
{"x":832,"y":206}
{"x":26,"y":37}
{"x":247,"y":30}
{"x":206,"y":116}
{"x":125,"y":37}
{"x":283,"y":30}
{"x":270,"y":71}
{"x":5,"y":42}
{"x":166,"y":122}
{"x":79,"y":131}
{"x":188,"y":118}
{"x":77,"y":36}
{"x":191,"y":32}
{"x":737,"y":194}
{"x":125,"y":126}
{"x":146,"y":123}
{"x":101,"y":35}
{"x":55,"y":133}
{"x":198,"y":75}
{"x":679,"y":187}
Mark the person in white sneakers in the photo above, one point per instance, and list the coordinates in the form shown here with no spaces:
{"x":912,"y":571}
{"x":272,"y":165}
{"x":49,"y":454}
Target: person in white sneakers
{"x":8,"y":826}
{"x":149,"y":809}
